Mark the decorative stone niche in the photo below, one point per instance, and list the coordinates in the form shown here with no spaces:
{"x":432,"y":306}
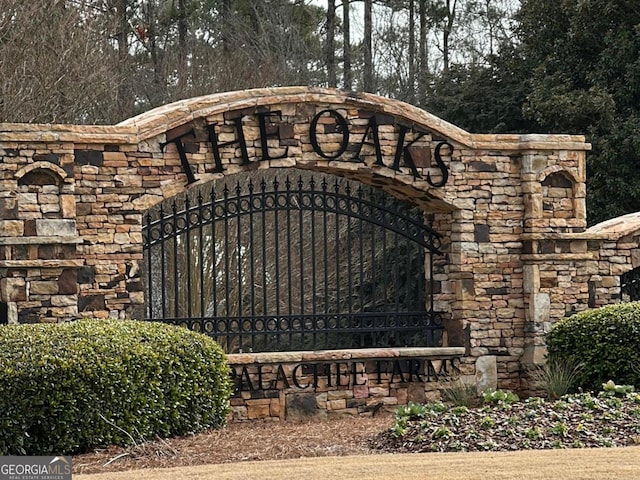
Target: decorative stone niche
{"x":558,"y":196}
{"x":38,"y":258}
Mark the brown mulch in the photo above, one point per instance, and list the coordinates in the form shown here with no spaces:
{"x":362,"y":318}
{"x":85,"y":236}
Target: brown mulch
{"x":244,"y":441}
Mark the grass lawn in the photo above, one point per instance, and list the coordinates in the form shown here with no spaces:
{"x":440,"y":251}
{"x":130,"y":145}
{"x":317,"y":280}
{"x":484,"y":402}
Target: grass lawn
{"x":569,"y":464}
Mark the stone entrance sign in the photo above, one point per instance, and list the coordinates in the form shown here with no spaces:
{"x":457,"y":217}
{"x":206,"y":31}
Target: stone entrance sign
{"x":510,"y":208}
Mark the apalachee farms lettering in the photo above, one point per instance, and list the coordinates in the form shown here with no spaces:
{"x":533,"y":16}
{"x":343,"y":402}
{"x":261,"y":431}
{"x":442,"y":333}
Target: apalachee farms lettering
{"x":402,"y":156}
{"x":342,"y":374}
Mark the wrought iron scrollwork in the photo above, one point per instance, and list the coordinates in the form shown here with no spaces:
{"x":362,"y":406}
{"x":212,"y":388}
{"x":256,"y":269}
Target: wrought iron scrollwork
{"x":291,"y":264}
{"x":630,"y":285}
{"x":394,"y":217}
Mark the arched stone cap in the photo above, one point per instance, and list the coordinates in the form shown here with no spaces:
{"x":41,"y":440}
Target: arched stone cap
{"x":162,"y":119}
{"x":571,"y":174}
{"x":57,"y":173}
{"x":618,"y":227}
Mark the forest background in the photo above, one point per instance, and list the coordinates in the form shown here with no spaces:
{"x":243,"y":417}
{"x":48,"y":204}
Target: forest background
{"x":488,"y":66}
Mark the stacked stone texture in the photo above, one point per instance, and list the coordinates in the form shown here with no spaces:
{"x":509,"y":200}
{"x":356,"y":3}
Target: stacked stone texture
{"x":512,"y":213}
{"x":38,"y":253}
{"x":360,"y":390}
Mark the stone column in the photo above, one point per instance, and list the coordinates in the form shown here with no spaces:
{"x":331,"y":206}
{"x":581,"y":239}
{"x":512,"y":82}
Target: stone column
{"x":537,"y":304}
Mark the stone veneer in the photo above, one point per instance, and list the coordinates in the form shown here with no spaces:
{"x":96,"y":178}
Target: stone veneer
{"x":295,"y":385}
{"x":512,"y":212}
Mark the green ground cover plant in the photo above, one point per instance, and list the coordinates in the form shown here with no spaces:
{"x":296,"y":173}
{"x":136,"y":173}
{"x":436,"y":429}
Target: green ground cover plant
{"x":504,"y":423}
{"x":71,"y":387}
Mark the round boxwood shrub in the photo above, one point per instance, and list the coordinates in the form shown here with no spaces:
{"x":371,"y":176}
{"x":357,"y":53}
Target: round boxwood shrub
{"x":70,"y":387}
{"x":605,"y":342}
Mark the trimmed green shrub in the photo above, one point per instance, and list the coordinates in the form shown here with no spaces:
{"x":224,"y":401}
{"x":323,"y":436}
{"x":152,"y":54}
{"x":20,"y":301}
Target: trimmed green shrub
{"x":70,"y":387}
{"x":605,"y":342}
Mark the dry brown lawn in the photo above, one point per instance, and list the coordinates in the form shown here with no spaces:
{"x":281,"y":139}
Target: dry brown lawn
{"x":579,"y":464}
{"x":338,"y":449}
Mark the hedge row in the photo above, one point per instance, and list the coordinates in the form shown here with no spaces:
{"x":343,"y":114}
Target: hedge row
{"x":71,"y":387}
{"x":605,"y":342}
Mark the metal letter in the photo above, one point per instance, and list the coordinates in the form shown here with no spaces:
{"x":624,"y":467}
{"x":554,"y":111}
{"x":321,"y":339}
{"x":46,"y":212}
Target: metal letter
{"x":443,"y":168}
{"x":406,"y":153}
{"x":373,"y":126}
{"x":379,"y":369}
{"x":397,"y":369}
{"x":340,"y":373}
{"x":355,"y":373}
{"x":240,"y":140}
{"x":415,"y":367}
{"x":183,"y":155}
{"x":342,"y":122}
{"x":295,"y":377}
{"x":263,"y":135}
{"x":280,"y":375}
{"x":245,"y":376}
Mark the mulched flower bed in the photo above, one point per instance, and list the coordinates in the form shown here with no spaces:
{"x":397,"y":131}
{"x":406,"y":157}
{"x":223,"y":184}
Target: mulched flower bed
{"x":609,"y":419}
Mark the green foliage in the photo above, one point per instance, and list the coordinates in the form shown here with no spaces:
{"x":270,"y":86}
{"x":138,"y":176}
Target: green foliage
{"x":500,"y":396}
{"x":533,"y":433}
{"x":487,"y":422}
{"x":583,"y":59}
{"x":399,"y":428}
{"x":560,"y":429}
{"x":612,"y":389}
{"x":460,"y":410}
{"x":412,"y":411}
{"x":575,"y":421}
{"x":483,"y":98}
{"x":70,"y":387}
{"x":560,"y":405}
{"x":556,"y":378}
{"x":460,"y":393}
{"x":604,"y":341}
{"x":442,"y":433}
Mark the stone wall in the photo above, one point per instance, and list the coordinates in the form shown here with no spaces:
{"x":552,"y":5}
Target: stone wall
{"x":296,"y":385}
{"x":511,"y":208}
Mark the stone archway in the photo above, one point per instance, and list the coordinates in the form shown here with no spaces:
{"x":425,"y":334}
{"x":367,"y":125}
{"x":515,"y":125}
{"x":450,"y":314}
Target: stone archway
{"x":509,"y":256}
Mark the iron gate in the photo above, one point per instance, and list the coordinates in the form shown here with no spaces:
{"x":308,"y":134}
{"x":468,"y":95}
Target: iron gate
{"x":630,"y":285}
{"x":293,"y":264}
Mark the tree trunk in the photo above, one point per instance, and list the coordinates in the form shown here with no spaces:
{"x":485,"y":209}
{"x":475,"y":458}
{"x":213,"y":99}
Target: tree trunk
{"x":182,"y":48}
{"x":226,"y":27}
{"x":125,"y":100}
{"x":411,"y":93}
{"x":423,"y":53}
{"x":451,"y":15}
{"x":157,"y":95}
{"x":346,"y":48}
{"x":330,"y":53}
{"x":123,"y":28}
{"x":368,"y":50}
